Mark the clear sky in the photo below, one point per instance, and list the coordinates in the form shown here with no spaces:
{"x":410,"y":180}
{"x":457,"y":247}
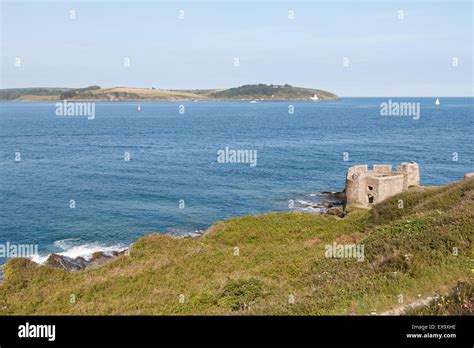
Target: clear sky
{"x":387,"y":56}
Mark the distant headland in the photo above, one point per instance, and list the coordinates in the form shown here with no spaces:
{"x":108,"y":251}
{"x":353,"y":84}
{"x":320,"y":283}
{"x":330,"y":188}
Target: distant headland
{"x":118,"y":94}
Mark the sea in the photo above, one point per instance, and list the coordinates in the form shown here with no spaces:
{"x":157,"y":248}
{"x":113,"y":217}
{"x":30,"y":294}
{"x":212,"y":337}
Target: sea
{"x":73,"y":184}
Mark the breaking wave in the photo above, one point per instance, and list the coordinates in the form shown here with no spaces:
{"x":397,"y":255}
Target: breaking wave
{"x":75,"y":247}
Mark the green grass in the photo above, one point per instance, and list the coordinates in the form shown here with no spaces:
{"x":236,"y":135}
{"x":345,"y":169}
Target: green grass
{"x":271,"y":264}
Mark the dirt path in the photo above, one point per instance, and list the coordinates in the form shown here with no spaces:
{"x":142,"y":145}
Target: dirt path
{"x":422,"y":302}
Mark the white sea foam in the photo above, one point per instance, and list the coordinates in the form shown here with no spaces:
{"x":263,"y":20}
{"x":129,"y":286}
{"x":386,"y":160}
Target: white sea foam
{"x":302,"y":202}
{"x":74,"y":247}
{"x":313,"y":210}
{"x":182,"y":233}
{"x":67,"y":243}
{"x":38,"y":258}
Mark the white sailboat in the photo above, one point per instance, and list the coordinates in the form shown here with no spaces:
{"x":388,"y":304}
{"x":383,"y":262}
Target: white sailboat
{"x":139,"y":108}
{"x":437,"y":101}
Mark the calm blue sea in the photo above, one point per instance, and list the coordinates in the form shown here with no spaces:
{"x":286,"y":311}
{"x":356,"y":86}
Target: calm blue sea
{"x":173,"y":157}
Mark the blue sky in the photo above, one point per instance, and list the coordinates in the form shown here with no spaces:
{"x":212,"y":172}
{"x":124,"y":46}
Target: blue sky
{"x":387,"y":56}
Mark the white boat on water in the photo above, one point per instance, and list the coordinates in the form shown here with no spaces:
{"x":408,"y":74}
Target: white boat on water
{"x":253,"y":101}
{"x":314,"y":97}
{"x":437,"y":101}
{"x":139,"y":108}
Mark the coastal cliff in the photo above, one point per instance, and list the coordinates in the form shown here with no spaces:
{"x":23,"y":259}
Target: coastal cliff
{"x":275,"y":263}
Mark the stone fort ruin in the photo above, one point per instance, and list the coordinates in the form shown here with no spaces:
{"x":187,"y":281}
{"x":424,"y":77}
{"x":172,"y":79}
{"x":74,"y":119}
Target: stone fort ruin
{"x":366,"y":187}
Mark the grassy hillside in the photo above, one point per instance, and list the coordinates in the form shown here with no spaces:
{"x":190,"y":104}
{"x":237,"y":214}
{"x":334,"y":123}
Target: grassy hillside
{"x":275,"y":92}
{"x":95,"y":93}
{"x":408,"y":251}
{"x":39,"y":93}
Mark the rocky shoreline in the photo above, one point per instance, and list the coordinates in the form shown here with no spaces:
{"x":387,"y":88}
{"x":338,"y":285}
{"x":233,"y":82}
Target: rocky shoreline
{"x":328,"y":202}
{"x":333,"y":204}
{"x":80,"y":263}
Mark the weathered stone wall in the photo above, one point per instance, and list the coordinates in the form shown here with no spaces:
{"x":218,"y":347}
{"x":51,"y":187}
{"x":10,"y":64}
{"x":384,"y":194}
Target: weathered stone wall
{"x":366,"y":187}
{"x":411,"y":172}
{"x":382,"y":168}
{"x":354,"y":179}
{"x":390,"y":186}
{"x":371,"y":192}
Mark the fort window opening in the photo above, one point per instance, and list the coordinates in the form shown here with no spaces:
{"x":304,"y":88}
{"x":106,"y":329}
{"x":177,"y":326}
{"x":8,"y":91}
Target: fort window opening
{"x":370,"y":188}
{"x":371,"y":198}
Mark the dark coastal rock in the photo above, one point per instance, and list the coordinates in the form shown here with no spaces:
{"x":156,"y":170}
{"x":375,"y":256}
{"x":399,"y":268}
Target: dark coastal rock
{"x":98,"y":256}
{"x":79,"y":263}
{"x":337,"y":212}
{"x":338,"y":196}
{"x":66,"y":263}
{"x":326,"y":204}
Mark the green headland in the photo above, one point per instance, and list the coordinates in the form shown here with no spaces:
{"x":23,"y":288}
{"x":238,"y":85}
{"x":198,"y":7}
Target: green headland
{"x":275,"y":263}
{"x":96,"y":93}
